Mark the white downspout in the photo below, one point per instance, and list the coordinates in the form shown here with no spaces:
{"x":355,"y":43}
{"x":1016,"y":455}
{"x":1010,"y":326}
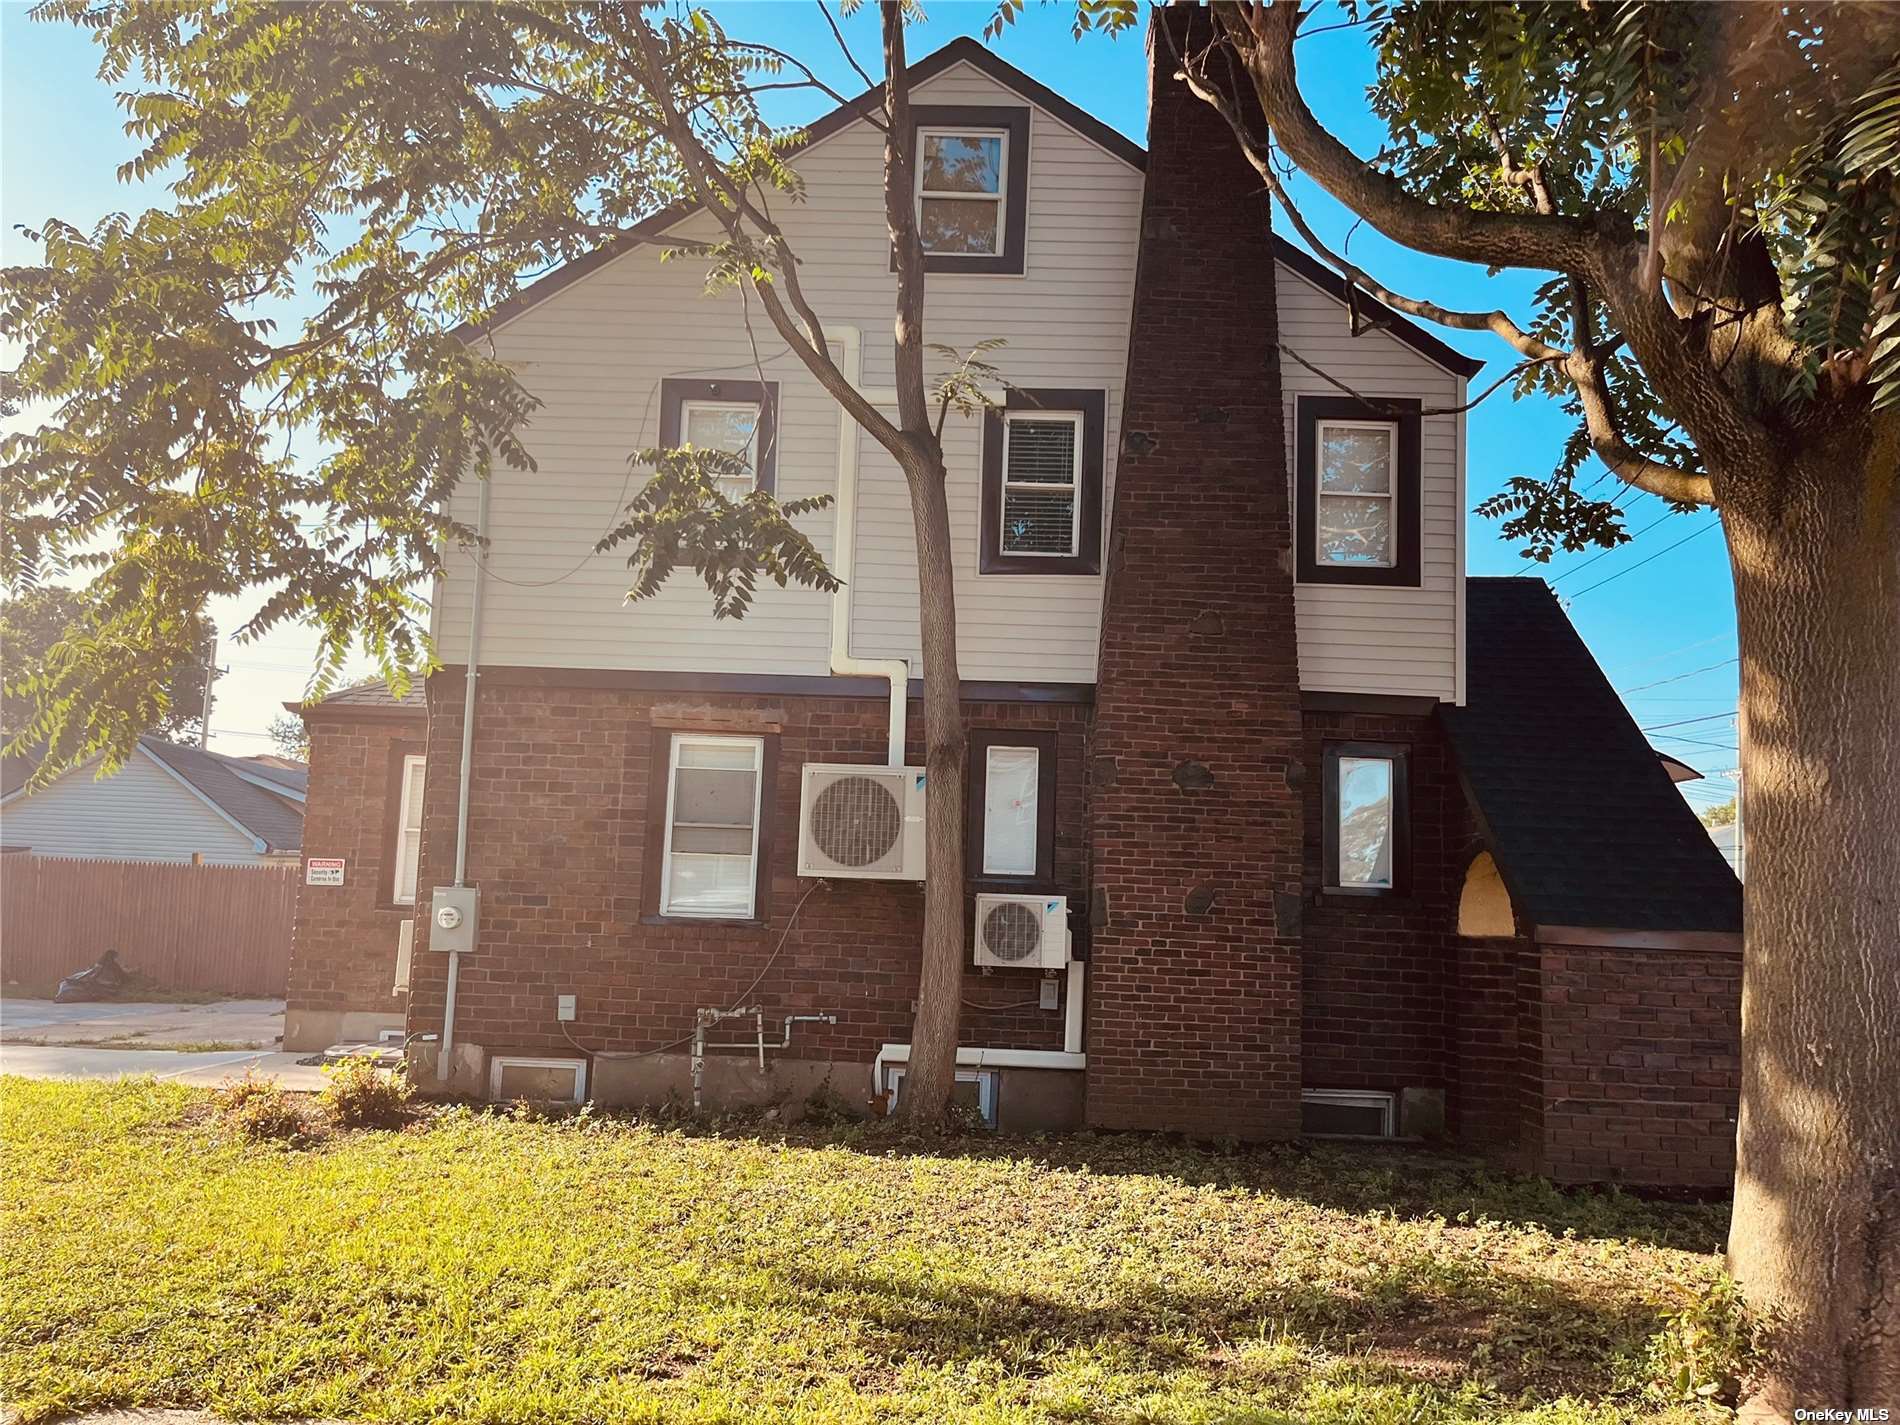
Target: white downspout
{"x":895,"y":670}
{"x":468,"y":767}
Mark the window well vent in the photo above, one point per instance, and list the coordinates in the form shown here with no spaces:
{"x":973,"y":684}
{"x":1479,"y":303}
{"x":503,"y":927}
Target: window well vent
{"x":1347,"y":1113}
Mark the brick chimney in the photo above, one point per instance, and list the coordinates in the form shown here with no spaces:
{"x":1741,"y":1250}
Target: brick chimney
{"x":1195,"y":808}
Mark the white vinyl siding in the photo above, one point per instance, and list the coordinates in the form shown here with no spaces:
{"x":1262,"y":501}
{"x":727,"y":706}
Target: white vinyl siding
{"x":1371,"y":638}
{"x":596,"y":352}
{"x":710,"y":859}
{"x":140,"y":813}
{"x":408,"y":832}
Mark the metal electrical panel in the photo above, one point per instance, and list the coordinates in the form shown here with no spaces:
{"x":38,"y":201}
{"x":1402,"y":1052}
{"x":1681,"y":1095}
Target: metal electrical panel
{"x":453,"y":914}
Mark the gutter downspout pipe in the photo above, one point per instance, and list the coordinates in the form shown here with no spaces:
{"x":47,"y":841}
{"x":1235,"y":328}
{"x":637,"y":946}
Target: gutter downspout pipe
{"x":895,"y":670}
{"x":447,"y":1044}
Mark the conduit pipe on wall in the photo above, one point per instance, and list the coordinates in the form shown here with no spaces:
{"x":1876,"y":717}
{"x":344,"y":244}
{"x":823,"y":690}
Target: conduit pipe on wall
{"x":843,"y":558}
{"x":447,"y":1044}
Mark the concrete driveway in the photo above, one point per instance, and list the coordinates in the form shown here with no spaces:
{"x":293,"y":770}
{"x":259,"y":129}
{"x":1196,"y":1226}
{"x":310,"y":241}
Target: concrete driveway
{"x":209,"y":1043}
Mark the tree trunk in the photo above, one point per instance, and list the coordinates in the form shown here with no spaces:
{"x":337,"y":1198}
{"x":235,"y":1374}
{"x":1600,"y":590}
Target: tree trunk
{"x":931,"y":1074}
{"x":1815,"y":1239}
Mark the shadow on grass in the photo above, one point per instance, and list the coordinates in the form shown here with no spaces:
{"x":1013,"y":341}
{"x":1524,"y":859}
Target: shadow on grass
{"x":1406,"y":1181}
{"x":1516,"y":1334}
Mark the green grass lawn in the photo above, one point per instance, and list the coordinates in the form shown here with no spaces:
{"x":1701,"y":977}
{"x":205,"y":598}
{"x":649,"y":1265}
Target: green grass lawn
{"x":481,"y":1267}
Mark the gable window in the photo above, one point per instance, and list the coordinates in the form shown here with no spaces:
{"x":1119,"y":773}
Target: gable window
{"x":1356,"y":468}
{"x":709,"y":846}
{"x":737,"y":417}
{"x":1367,"y":841}
{"x":972,"y":167}
{"x":960,"y":197}
{"x":1011,"y":806}
{"x":408,"y":847}
{"x":1042,"y":484}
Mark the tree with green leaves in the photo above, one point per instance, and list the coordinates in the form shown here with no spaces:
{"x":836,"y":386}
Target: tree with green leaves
{"x":37,"y":621}
{"x":400,"y":170}
{"x":1715,"y":191}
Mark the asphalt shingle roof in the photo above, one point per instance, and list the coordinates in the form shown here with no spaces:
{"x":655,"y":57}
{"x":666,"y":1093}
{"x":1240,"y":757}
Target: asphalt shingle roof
{"x":278,"y":820}
{"x":376,"y":694}
{"x":1581,"y":816}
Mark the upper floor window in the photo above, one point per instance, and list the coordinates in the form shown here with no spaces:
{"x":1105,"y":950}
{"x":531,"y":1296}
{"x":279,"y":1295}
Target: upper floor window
{"x":1042,"y":483}
{"x":1357,"y":494}
{"x":1367,"y":822}
{"x":1356,"y":469}
{"x":738,"y":417}
{"x":728,"y":426}
{"x":960,"y":198}
{"x":972,"y":165}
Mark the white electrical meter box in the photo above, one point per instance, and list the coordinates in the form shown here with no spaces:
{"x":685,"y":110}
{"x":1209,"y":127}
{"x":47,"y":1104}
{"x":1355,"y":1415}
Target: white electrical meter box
{"x":453,"y":913}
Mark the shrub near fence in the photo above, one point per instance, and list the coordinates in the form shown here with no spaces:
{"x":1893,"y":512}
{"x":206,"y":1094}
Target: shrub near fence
{"x":211,"y":929}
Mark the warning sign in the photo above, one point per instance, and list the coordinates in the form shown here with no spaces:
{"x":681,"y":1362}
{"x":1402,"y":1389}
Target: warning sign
{"x":323,"y":871}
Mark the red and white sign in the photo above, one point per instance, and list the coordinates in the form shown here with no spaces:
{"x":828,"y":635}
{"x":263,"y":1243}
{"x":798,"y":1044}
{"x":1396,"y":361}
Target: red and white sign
{"x":323,"y":871}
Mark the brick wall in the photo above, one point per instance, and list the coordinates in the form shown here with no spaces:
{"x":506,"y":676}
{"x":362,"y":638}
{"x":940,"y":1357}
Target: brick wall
{"x":343,"y":950}
{"x":1195,"y":829}
{"x":1496,"y":1080}
{"x":1379,"y":970}
{"x":558,"y":829}
{"x":1640,"y":1054}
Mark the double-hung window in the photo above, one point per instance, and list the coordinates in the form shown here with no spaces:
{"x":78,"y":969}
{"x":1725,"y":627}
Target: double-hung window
{"x":961,"y":198}
{"x":728,"y":426}
{"x":1042,"y":484}
{"x":972,"y":186}
{"x":737,"y":417}
{"x":408,"y":844}
{"x":1367,"y":833}
{"x":1356,"y":468}
{"x":710,"y":856}
{"x":1357,"y":523}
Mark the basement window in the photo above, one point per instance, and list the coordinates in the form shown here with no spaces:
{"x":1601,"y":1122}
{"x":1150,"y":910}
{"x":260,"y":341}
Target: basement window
{"x":537,"y":1080}
{"x":1348,"y":1113}
{"x":975,"y":1090}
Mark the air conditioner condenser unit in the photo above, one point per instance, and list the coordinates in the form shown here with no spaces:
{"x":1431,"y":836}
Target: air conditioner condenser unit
{"x":1017,"y":932}
{"x":861,"y":823}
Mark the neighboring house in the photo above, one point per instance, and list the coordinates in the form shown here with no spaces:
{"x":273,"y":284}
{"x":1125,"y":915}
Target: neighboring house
{"x":169,"y":802}
{"x":1344,"y":841}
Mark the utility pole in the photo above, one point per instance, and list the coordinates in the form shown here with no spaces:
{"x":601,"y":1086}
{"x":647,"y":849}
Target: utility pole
{"x":1741,"y":835}
{"x":211,"y":673}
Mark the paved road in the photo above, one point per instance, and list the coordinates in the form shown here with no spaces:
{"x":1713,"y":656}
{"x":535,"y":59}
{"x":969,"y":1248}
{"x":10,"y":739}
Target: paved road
{"x":36,"y":1061}
{"x":44,"y":1040}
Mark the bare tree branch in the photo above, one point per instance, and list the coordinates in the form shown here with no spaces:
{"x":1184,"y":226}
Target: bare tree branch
{"x":1386,"y":409}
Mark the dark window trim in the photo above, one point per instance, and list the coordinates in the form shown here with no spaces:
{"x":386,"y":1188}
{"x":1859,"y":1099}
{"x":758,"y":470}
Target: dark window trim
{"x":392,"y":826}
{"x":1400,"y":754}
{"x":981,"y":741}
{"x":1013,"y":119}
{"x":1087,"y":559}
{"x":653,"y":856}
{"x":675,"y":391}
{"x":1309,"y":411}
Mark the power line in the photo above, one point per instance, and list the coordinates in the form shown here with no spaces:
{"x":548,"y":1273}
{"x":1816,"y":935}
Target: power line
{"x":1574,"y":568}
{"x":1692,"y":673}
{"x":1694,"y":742}
{"x":1712,"y":524}
{"x":1684,"y":722}
{"x":1672,"y":652}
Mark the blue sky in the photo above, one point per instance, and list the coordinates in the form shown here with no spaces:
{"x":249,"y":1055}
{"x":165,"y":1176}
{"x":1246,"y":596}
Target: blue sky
{"x":1660,"y":619}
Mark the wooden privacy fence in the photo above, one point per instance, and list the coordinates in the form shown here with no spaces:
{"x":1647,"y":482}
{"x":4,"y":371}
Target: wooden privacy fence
{"x":218,"y":929}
